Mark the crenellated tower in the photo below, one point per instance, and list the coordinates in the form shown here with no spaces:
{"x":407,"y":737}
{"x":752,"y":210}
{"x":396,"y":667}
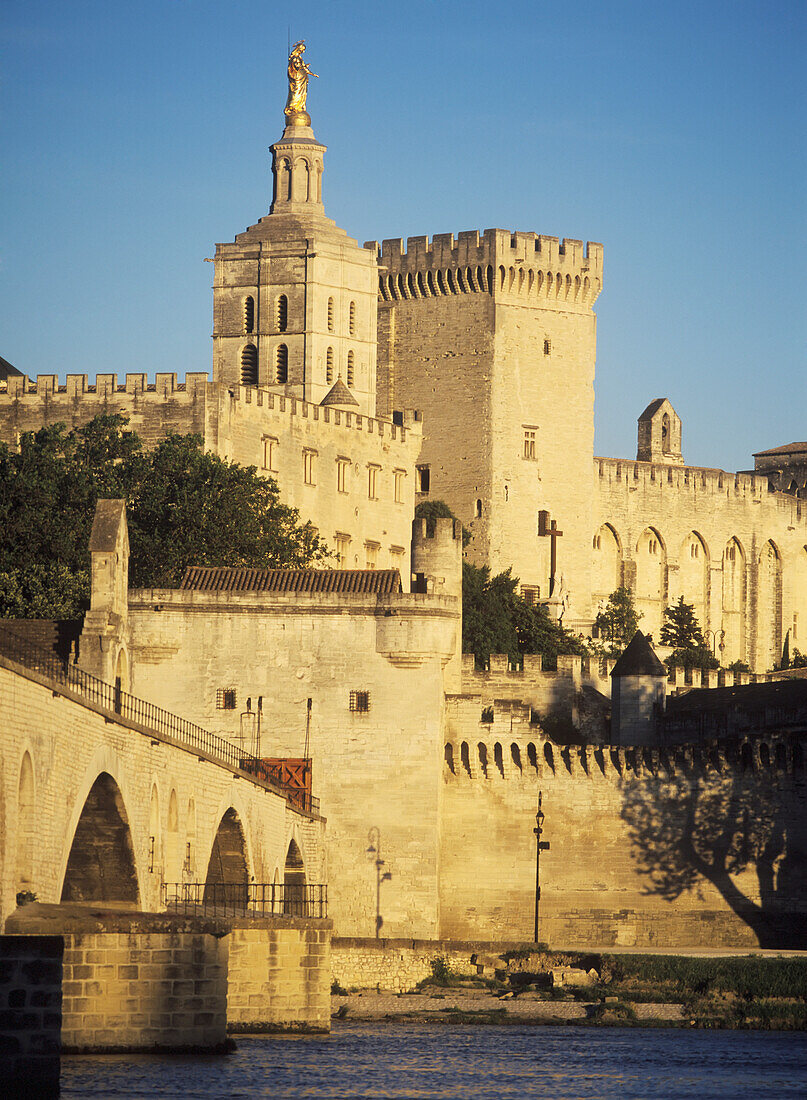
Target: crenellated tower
{"x":294,"y":297}
{"x":492,"y":338}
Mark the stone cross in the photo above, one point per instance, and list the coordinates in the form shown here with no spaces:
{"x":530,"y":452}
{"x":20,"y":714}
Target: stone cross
{"x":550,"y":530}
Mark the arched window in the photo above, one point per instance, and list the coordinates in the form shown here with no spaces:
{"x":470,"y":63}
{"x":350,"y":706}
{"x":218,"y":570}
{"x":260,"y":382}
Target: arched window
{"x":330,"y":315}
{"x":350,"y":362}
{"x":665,"y":434}
{"x":285,"y":181}
{"x":351,"y":319}
{"x":329,"y":365}
{"x":282,"y":364}
{"x":282,"y":313}
{"x":249,"y":314}
{"x":249,"y":366}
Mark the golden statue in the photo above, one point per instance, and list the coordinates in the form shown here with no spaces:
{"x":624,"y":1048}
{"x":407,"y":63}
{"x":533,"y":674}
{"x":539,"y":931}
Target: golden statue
{"x":299,"y":73}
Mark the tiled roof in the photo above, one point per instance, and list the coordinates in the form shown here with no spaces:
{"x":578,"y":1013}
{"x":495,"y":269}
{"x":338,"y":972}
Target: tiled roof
{"x":639,"y":659}
{"x":7,"y":371}
{"x":786,"y":449}
{"x":379,"y":582}
{"x":339,"y":394}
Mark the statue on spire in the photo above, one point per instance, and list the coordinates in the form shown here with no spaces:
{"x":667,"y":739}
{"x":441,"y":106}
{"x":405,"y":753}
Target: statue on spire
{"x":299,"y":73}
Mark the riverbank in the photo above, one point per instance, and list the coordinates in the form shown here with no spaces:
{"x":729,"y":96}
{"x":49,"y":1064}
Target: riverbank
{"x":544,"y":987}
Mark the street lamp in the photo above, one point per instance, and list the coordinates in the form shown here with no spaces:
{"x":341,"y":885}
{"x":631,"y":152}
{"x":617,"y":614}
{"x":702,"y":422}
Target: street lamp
{"x":374,"y":853}
{"x":542,"y":846}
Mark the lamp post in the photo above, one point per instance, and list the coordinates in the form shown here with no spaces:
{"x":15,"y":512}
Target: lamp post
{"x":374,"y":853}
{"x":542,"y":846}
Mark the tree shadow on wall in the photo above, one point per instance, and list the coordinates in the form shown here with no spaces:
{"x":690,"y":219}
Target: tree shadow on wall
{"x":687,"y":828}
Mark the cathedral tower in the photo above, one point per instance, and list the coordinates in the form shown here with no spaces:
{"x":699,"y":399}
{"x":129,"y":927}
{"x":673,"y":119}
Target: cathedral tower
{"x":492,"y":338}
{"x":294,"y":298}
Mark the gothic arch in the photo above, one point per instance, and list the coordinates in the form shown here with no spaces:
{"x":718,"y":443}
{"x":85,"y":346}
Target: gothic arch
{"x":651,"y":579}
{"x":733,"y":630}
{"x":607,"y":564}
{"x":797,"y":584}
{"x":101,"y":866}
{"x":189,"y":859}
{"x":26,"y":826}
{"x":693,"y":576}
{"x":769,"y":608}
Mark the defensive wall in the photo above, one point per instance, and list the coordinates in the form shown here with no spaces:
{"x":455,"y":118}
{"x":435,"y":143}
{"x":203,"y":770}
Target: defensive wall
{"x":732,"y":546}
{"x":364,"y":518}
{"x":694,"y":845}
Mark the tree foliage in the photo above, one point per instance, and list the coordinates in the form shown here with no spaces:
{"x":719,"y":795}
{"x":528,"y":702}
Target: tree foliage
{"x":184,"y":507}
{"x":496,"y":619}
{"x":682,"y":631}
{"x":618,"y":621}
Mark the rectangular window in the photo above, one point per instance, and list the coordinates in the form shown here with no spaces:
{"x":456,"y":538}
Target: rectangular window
{"x":398,"y":484}
{"x":424,"y":479}
{"x":360,"y":701}
{"x":309,"y":467}
{"x":530,"y":593}
{"x":371,"y":555}
{"x":269,"y":453}
{"x":342,"y":543}
{"x":547,"y":347}
{"x":372,"y":482}
{"x":225,"y":699}
{"x":529,"y":443}
{"x":396,"y":557}
{"x":342,"y":469}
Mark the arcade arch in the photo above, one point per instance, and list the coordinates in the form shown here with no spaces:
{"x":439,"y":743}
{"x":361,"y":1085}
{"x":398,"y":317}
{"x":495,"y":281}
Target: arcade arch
{"x":26,"y":822}
{"x":227,"y":870}
{"x":769,"y":608}
{"x":607,"y":570}
{"x":294,"y":882}
{"x":693,"y":576}
{"x":651,"y":580}
{"x":734,"y":603}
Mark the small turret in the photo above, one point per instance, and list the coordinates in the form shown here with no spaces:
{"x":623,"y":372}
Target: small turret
{"x":437,"y":557}
{"x":637,"y":688}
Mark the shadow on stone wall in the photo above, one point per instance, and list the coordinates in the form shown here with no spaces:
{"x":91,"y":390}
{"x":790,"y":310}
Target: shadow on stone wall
{"x":688,"y":828}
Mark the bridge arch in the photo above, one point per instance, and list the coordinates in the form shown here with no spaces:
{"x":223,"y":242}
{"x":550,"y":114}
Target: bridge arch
{"x":101,"y":863}
{"x":294,"y":881}
{"x":228,"y":865}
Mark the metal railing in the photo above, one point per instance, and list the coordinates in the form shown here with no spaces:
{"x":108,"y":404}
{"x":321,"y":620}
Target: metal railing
{"x":244,"y":900}
{"x":111,"y":698}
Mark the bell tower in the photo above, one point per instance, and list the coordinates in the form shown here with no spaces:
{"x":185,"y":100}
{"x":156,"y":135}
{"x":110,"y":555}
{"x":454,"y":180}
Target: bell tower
{"x":294,"y":297}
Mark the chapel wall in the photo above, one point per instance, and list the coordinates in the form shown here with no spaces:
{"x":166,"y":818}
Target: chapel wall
{"x":617,"y":822}
{"x":728,"y":543}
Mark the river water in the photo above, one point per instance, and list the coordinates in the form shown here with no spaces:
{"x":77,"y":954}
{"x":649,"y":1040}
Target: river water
{"x":473,"y":1063}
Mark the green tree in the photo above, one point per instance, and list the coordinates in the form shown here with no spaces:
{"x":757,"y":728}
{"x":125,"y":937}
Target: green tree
{"x":185,"y":507}
{"x":496,"y":619}
{"x":682,"y":631}
{"x":618,"y":621}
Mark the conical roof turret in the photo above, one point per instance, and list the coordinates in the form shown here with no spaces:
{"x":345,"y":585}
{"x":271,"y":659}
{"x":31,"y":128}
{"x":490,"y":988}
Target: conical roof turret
{"x":339,"y":394}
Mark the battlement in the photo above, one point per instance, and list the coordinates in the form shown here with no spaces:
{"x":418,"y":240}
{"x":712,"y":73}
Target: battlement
{"x":21,"y":400}
{"x":697,"y":480}
{"x":495,"y":262}
{"x":511,"y":746}
{"x":446,"y":532}
{"x":77,"y":385}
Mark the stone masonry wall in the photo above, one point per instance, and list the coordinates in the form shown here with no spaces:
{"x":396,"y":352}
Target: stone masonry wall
{"x":144,"y":991}
{"x":665,"y":850}
{"x":30,"y":1015}
{"x":280,"y":976}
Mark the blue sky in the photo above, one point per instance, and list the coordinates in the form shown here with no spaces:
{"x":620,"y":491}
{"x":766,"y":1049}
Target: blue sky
{"x":135,"y":136}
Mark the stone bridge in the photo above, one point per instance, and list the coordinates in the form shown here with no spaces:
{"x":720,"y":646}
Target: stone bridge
{"x":98,"y":807}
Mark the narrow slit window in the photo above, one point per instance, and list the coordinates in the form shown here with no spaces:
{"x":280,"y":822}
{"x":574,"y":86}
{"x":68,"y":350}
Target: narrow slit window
{"x":282,"y":364}
{"x":249,"y":314}
{"x":351,"y":319}
{"x":282,"y":313}
{"x":350,"y":368}
{"x":330,"y":315}
{"x":249,"y":366}
{"x":329,"y":365}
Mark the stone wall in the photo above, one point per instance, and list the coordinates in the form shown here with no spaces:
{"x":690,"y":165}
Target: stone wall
{"x":377,"y":767}
{"x":393,"y":964}
{"x":687,"y":848}
{"x":280,"y":976}
{"x":30,"y":1014}
{"x":144,"y":991}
